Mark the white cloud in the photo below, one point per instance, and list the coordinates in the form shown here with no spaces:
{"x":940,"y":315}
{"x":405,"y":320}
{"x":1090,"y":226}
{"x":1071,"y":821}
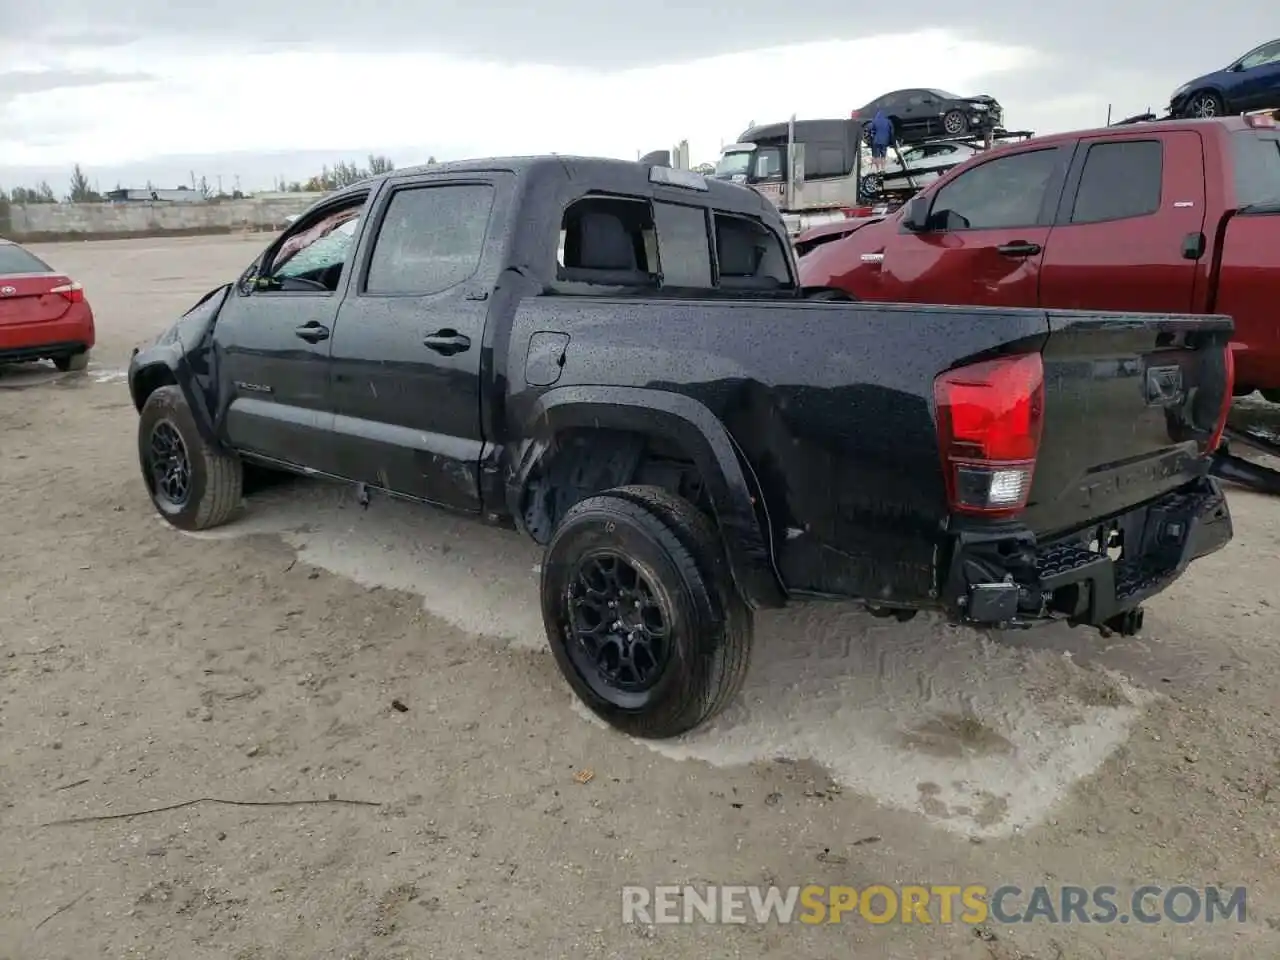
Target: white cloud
{"x":405,"y":104}
{"x":412,"y":106}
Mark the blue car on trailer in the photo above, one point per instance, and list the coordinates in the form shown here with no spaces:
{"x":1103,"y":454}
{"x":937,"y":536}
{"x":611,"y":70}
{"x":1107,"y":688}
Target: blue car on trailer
{"x":1250,"y":83}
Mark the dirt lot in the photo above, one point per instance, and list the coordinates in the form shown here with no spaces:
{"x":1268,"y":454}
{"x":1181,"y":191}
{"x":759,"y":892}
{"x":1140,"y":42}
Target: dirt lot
{"x":140,"y":668}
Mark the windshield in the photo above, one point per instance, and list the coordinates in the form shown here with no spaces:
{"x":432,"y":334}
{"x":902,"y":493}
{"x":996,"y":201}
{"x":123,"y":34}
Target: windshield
{"x":13,"y":259}
{"x":734,"y":164}
{"x":1257,"y":156}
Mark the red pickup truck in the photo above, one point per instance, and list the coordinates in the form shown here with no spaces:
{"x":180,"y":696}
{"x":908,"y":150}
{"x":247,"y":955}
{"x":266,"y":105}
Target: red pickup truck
{"x":1175,"y":217}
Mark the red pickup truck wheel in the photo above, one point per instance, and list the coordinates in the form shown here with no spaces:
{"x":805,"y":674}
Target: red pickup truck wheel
{"x":641,"y":613}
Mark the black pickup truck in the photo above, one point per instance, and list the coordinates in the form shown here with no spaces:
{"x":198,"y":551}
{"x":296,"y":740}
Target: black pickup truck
{"x":615,"y":359}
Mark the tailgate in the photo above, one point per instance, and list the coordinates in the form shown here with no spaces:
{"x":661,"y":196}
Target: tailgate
{"x":1131,"y":402}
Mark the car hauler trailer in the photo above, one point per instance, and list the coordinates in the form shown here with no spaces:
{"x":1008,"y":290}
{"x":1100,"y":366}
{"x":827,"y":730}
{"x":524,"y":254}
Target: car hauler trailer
{"x":816,"y":171}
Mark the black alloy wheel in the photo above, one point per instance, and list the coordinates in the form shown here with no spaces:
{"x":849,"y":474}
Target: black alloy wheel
{"x":621,"y":633}
{"x":641,"y":612}
{"x":193,"y":484}
{"x":168,"y":466}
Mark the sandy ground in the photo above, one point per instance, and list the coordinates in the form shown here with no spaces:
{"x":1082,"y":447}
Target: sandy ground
{"x":140,"y":667}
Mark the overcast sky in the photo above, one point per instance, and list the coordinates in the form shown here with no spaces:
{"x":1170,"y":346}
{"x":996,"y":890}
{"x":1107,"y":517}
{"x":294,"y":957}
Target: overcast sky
{"x":242,"y":88}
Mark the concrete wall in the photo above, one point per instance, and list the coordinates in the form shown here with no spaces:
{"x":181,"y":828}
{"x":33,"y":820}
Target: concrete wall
{"x":88,"y":221}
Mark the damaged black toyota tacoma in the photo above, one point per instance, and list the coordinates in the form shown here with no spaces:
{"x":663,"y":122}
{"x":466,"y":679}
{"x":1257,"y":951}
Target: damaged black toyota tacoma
{"x":614,"y":358}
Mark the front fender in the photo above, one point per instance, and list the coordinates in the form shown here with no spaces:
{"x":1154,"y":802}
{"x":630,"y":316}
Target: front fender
{"x":163,"y":365}
{"x":175,"y":357}
{"x":733,"y":495}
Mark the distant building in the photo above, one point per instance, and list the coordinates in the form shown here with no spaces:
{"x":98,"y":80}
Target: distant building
{"x":287,"y":195}
{"x":180,"y":195}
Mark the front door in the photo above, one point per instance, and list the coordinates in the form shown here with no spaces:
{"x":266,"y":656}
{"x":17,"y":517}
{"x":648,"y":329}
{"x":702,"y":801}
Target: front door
{"x":407,"y":348}
{"x":986,"y":236}
{"x":272,"y":340}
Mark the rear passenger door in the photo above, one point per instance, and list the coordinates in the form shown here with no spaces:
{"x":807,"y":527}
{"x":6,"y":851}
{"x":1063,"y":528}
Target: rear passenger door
{"x":1128,"y":233}
{"x":405,"y":360}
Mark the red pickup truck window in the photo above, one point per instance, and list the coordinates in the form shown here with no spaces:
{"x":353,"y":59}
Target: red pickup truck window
{"x":1257,"y":161}
{"x":1119,"y":180}
{"x":1005,"y":192}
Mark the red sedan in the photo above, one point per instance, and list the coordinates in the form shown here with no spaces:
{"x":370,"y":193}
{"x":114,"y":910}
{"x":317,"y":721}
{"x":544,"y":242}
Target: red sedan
{"x":43,"y":314}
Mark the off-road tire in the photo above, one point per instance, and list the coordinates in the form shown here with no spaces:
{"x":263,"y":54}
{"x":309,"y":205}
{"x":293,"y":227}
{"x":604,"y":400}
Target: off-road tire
{"x":683,"y":558}
{"x":216,"y":478}
{"x":72,"y":361}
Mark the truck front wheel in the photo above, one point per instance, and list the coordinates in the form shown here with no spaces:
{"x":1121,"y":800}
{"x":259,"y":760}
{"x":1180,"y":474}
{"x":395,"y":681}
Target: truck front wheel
{"x":192,"y":485}
{"x":641,"y":612}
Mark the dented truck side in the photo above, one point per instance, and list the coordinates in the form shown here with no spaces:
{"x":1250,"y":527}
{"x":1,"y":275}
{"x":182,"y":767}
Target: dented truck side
{"x":1003,"y":466}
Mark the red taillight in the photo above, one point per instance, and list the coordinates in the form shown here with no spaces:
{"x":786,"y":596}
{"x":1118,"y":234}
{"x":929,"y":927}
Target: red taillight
{"x":990,"y":416}
{"x":1229,"y":386}
{"x":73,"y":292}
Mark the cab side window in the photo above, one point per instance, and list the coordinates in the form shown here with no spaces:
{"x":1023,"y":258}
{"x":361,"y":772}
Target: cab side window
{"x":609,"y":241}
{"x":684,"y":245}
{"x":1001,"y":193}
{"x":430,"y":239}
{"x":751,"y":256}
{"x":1119,"y":180}
{"x":314,"y":252}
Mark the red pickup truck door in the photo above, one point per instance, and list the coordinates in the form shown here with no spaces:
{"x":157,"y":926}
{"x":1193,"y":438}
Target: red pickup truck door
{"x":988,"y":229}
{"x":1127,"y":234}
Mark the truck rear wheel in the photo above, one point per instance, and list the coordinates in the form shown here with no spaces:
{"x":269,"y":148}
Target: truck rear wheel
{"x":192,"y":485}
{"x":641,"y":612}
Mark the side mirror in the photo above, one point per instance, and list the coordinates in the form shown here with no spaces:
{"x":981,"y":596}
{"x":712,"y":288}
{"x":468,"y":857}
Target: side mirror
{"x":248,"y":281}
{"x":916,"y":216}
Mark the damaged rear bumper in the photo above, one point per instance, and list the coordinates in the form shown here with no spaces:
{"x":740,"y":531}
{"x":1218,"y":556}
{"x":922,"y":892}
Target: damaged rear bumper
{"x":1097,"y":576}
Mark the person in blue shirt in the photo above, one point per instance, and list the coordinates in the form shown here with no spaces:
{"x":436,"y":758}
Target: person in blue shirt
{"x":881,"y":134}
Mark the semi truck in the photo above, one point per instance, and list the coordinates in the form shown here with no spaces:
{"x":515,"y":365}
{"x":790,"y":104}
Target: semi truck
{"x":819,"y":171}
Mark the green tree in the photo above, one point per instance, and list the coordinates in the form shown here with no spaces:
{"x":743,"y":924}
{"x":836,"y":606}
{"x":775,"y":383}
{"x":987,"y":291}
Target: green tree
{"x":81,"y":191}
{"x":343,"y":174}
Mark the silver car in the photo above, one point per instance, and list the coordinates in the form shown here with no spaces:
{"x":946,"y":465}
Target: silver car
{"x":925,"y":163}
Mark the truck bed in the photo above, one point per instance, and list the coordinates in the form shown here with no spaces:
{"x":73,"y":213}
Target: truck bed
{"x":832,"y":406}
